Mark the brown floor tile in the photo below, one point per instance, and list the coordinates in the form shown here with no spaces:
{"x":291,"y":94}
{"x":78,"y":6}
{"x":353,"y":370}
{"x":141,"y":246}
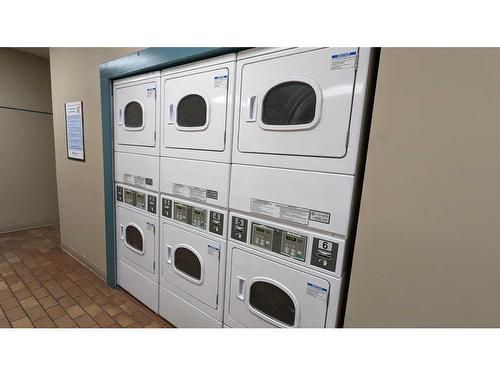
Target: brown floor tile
{"x":9,"y":303}
{"x":22,"y":323}
{"x":56,"y":312}
{"x":123,"y":319}
{"x":142,"y":317}
{"x":28,"y":303}
{"x":85,"y":321}
{"x":75,"y":311}
{"x":93,"y":309}
{"x":15,"y":313}
{"x":45,"y":322}
{"x":4,"y":323}
{"x":65,"y":322}
{"x":23,"y":294}
{"x":84,"y":300}
{"x":58,"y":292}
{"x":3,"y":285}
{"x":104,"y":320}
{"x":33,"y":285}
{"x":47,"y":301}
{"x":36,"y":313}
{"x":74,"y":291}
{"x":5,"y":294}
{"x":40,"y":293}
{"x":18,"y":285}
{"x":111,"y":309}
{"x":66,"y":301}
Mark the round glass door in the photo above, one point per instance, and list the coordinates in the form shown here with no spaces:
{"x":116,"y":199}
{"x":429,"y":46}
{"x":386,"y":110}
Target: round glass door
{"x":188,"y":263}
{"x":289,"y":103}
{"x":273,"y":302}
{"x":133,"y":115}
{"x":134,"y":238}
{"x":192,"y":111}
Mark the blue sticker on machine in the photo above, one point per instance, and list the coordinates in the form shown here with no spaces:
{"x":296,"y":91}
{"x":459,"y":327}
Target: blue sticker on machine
{"x":317,"y":291}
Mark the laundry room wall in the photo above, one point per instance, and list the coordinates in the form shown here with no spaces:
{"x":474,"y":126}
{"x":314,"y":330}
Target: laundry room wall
{"x":27,"y":165}
{"x":75,"y":76}
{"x":427,"y":252}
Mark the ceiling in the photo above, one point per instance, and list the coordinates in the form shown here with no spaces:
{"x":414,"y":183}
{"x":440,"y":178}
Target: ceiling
{"x":38,"y":51}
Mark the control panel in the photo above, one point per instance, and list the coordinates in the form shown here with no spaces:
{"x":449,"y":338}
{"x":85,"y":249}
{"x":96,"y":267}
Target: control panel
{"x":138,"y":199}
{"x":302,"y":246}
{"x":193,"y":215}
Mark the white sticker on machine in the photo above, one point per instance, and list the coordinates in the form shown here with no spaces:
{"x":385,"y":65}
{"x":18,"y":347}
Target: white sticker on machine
{"x":151,"y":92}
{"x":136,"y":180}
{"x":319,"y":216}
{"x":344,"y":60}
{"x":317,"y":291}
{"x":280,"y":211}
{"x":214,"y":251}
{"x":220,"y":81}
{"x":194,"y":193}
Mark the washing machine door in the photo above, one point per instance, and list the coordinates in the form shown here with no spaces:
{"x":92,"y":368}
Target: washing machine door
{"x":264,"y":293}
{"x":195,"y":111}
{"x":298,"y":104}
{"x":190,"y":262}
{"x":137,"y":238}
{"x":135,"y":114}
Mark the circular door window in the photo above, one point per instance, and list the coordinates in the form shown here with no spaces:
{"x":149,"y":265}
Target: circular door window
{"x":272,"y":301}
{"x":187,"y":262}
{"x":192,"y":111}
{"x":289,"y":103}
{"x":133,"y":115}
{"x":134,"y":238}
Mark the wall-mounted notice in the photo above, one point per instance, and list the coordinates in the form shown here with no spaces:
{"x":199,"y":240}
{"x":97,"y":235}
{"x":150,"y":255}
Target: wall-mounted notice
{"x":74,"y":130}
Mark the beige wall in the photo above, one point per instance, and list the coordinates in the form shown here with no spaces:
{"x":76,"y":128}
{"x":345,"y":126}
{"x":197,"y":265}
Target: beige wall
{"x":27,"y":166}
{"x":75,"y":76}
{"x":427,"y":252}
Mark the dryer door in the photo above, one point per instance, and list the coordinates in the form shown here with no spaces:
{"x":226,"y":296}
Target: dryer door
{"x":195,"y":111}
{"x":298,"y":104}
{"x":136,"y":238}
{"x":191,"y":263}
{"x":264,"y":293}
{"x":135,"y":114}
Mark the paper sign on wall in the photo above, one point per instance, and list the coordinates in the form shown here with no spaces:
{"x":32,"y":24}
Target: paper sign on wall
{"x":74,"y":130}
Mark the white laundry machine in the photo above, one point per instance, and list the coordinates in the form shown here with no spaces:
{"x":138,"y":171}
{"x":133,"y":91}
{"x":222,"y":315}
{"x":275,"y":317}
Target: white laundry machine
{"x":192,"y":256}
{"x":136,"y":114}
{"x":281,"y":276}
{"x":300,"y":108}
{"x":142,"y":171}
{"x":197,"y":109}
{"x":137,"y":243}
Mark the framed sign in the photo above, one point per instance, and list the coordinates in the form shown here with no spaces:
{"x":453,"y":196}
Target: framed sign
{"x":75,"y":142}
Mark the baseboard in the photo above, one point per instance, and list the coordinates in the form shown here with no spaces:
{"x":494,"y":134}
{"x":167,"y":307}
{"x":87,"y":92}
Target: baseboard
{"x":26,"y":226}
{"x":84,"y":261}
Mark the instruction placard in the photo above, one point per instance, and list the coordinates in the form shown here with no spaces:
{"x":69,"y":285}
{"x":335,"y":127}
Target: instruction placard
{"x":74,"y":130}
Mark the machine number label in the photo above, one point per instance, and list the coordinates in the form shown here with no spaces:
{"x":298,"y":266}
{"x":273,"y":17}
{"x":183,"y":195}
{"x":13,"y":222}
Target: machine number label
{"x":344,"y":60}
{"x":317,"y":291}
{"x":281,"y":211}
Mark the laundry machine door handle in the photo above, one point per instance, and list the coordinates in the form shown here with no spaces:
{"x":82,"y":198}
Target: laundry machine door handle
{"x":122,"y":228}
{"x":241,"y":288}
{"x":169,"y":254}
{"x":252,"y":108}
{"x":120,"y":117}
{"x":170,"y":113}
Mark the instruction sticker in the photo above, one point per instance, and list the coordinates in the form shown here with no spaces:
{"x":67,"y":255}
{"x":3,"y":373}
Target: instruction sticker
{"x":136,"y":180}
{"x":280,"y":211}
{"x":220,"y":81}
{"x":319,"y":216}
{"x":151,"y":92}
{"x":194,"y":193}
{"x":344,"y":60}
{"x":317,"y":291}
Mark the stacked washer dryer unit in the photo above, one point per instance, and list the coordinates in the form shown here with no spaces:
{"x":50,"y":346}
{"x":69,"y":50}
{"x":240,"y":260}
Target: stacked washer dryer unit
{"x":197,"y":112}
{"x":297,"y":129}
{"x":136,"y":117}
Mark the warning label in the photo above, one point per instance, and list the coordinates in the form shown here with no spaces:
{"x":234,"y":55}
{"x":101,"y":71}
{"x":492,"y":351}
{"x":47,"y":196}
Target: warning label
{"x":220,"y":81}
{"x":136,"y":180}
{"x":344,"y":60}
{"x":194,"y":193}
{"x":317,"y":291}
{"x":280,"y":211}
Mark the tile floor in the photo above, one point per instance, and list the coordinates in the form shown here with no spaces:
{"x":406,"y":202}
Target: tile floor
{"x":42,"y":286}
